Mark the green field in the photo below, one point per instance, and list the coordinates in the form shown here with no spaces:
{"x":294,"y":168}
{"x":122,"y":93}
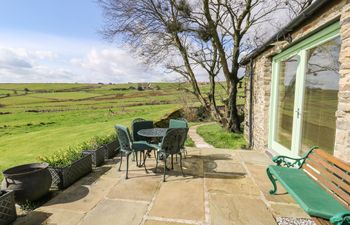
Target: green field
{"x":48,"y":117}
{"x":39,"y":119}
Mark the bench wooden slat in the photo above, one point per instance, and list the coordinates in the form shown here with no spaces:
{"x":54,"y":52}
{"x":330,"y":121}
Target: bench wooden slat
{"x":330,"y":184}
{"x":320,"y":221}
{"x":327,"y":170}
{"x":332,"y":159}
{"x":333,"y":167}
{"x":339,"y":193}
{"x":330,"y":166}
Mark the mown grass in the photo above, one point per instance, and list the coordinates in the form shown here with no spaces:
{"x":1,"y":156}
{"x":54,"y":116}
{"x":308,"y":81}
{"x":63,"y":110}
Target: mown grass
{"x":189,"y":142}
{"x":44,"y":118}
{"x":215,"y":135}
{"x":50,"y":117}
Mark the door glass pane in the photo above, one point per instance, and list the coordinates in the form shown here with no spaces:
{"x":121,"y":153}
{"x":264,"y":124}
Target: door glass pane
{"x":285,"y":103}
{"x":321,"y":96}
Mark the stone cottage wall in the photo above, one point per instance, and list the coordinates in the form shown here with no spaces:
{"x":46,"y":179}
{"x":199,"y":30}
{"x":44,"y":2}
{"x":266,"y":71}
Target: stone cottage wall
{"x":342,"y":143}
{"x":263,"y":71}
{"x":261,"y":100}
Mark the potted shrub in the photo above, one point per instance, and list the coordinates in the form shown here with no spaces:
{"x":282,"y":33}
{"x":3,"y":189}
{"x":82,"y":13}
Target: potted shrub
{"x":7,"y":207}
{"x":96,"y":149}
{"x":112,"y":145}
{"x":68,"y":166}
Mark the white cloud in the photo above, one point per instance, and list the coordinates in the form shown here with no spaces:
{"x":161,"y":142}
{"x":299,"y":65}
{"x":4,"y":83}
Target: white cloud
{"x":117,"y":65}
{"x":46,"y":58}
{"x":99,"y":64}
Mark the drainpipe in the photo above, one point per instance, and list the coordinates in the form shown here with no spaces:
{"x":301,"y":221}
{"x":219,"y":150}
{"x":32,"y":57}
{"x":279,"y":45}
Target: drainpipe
{"x":251,"y":73}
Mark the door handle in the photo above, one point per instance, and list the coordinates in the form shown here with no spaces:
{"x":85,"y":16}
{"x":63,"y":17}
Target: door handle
{"x":298,"y":113}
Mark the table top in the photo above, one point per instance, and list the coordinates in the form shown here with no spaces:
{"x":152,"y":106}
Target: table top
{"x":152,"y":132}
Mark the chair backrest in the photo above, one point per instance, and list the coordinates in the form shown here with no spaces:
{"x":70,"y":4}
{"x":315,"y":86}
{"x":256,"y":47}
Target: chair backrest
{"x":138,"y":119}
{"x":124,"y":138}
{"x":184,"y":138}
{"x":178,"y":123}
{"x":173,"y":140}
{"x":139,"y":125}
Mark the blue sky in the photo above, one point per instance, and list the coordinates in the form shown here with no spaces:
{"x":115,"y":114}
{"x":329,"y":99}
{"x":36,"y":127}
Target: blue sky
{"x":58,"y":41}
{"x":77,"y":18}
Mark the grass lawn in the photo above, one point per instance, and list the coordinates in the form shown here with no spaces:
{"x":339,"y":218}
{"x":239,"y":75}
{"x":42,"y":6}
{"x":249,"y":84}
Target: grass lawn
{"x":50,"y":117}
{"x":39,"y":119}
{"x":189,"y":142}
{"x":215,"y":135}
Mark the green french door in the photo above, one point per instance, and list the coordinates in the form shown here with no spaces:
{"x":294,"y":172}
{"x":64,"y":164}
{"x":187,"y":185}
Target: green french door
{"x":304,"y":95}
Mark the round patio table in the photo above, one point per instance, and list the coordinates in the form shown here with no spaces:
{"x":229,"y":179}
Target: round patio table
{"x":153,"y":132}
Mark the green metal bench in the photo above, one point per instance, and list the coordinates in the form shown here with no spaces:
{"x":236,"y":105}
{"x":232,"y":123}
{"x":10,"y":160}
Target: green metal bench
{"x":318,"y":182}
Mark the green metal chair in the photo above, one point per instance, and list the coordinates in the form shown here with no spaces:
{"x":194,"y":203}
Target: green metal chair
{"x":138,"y":119}
{"x":127,"y":146}
{"x":180,"y":123}
{"x":136,"y":126}
{"x":171,"y":145}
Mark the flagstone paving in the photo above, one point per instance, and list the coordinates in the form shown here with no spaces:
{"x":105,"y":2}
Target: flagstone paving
{"x":197,"y":139}
{"x":221,"y":187}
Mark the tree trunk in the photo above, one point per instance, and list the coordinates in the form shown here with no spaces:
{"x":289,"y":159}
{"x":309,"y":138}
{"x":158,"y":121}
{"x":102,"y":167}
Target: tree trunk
{"x":215,"y":112}
{"x":234,"y":123}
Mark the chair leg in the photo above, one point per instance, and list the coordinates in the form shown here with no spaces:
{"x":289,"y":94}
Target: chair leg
{"x":185,"y":153}
{"x":164,"y":169}
{"x":121,"y":160}
{"x":142,"y":156}
{"x":156,"y":163}
{"x":144,"y":161}
{"x":127,"y":166}
{"x":137,"y":160}
{"x":133,"y":156}
{"x":176,"y":158}
{"x":181,"y":165}
{"x":172,"y":161}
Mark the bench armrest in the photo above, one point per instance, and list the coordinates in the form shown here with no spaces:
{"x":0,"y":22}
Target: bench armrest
{"x":341,"y":219}
{"x":287,"y":161}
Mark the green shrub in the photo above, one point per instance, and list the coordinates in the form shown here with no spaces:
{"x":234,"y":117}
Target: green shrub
{"x":108,"y":139}
{"x":62,"y":158}
{"x":97,"y":142}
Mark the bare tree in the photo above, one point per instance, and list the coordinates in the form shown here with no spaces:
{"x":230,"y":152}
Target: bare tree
{"x":188,"y":36}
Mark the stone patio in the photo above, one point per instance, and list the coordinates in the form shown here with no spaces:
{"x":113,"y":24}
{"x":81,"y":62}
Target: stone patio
{"x":220,"y":187}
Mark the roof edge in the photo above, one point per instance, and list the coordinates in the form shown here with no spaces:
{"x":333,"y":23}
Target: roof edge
{"x":306,"y":13}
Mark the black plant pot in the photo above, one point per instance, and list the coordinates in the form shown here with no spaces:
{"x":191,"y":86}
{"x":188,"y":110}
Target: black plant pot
{"x":98,"y":155}
{"x":29,"y":182}
{"x":7,"y":207}
{"x":111,"y":149}
{"x":63,"y":177}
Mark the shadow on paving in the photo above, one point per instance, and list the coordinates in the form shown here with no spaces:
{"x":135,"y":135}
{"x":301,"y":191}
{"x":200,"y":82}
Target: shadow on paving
{"x":200,"y":166}
{"x":80,"y":189}
{"x":35,"y":217}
